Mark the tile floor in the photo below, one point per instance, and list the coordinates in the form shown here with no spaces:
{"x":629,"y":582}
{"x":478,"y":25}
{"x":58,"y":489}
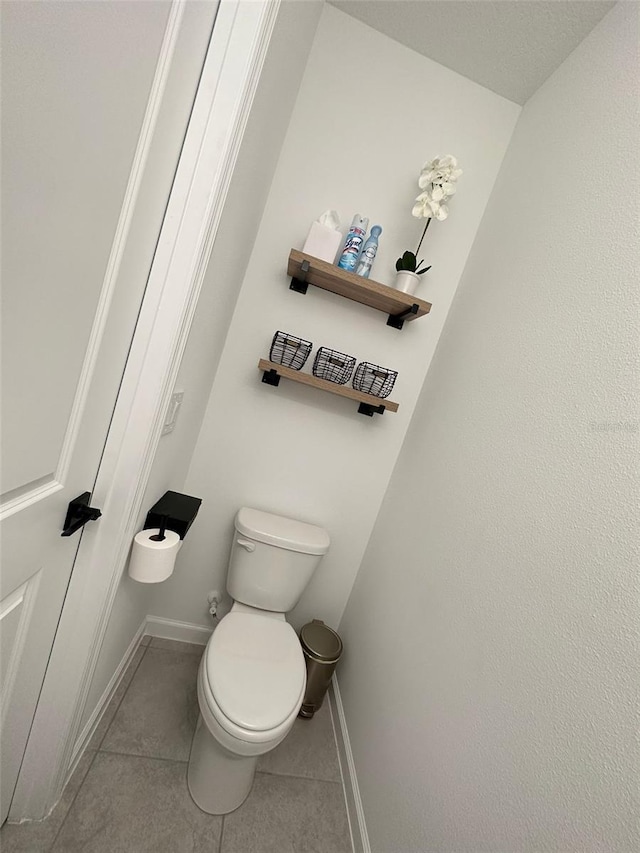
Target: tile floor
{"x":129,"y":793}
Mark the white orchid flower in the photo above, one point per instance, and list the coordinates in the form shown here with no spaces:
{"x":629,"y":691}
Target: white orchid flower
{"x":423,"y":206}
{"x":440,"y":170}
{"x":430,"y":176}
{"x":419,"y":210}
{"x":427,"y":205}
{"x":441,"y":213}
{"x":447,"y":165}
{"x":426,"y":178}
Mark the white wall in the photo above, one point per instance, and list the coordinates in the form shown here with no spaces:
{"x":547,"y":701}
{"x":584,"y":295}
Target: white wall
{"x":490,"y":676}
{"x":270,"y":113}
{"x":349,"y":146}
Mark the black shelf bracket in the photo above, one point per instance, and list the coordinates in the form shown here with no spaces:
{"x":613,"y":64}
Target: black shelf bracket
{"x":271,"y":377}
{"x":300,"y":283}
{"x":370,"y":410}
{"x":396,"y":321}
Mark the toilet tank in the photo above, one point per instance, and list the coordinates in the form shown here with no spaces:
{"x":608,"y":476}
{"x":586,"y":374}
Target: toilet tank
{"x":272,"y":559}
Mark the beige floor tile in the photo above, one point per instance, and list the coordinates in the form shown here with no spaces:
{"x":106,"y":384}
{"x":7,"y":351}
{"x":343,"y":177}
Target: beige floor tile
{"x":158,"y":714}
{"x":308,"y":750}
{"x":129,"y":804}
{"x":289,"y":815}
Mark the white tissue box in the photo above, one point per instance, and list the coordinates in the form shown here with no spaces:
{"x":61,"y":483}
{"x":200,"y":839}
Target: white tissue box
{"x":323,"y":242}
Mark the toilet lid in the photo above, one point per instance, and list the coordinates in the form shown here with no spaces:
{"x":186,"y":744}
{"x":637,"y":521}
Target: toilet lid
{"x":256,"y":670}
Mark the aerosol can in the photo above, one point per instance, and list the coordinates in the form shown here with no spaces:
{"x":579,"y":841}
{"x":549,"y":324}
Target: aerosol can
{"x":369,"y":252}
{"x":353,"y":244}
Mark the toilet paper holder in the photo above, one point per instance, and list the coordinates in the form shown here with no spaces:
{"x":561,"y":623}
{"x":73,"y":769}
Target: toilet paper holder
{"x":174,"y":511}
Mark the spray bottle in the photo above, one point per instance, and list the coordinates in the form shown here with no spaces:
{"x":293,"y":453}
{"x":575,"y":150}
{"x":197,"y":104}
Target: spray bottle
{"x":369,"y":252}
{"x":353,"y":244}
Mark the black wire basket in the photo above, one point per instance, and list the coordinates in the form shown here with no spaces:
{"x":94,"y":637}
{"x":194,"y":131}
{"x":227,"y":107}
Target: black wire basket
{"x":333,"y":365}
{"x":289,"y":350}
{"x":373,"y":379}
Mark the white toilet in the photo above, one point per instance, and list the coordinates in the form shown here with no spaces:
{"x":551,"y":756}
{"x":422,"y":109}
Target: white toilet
{"x":252,"y":677}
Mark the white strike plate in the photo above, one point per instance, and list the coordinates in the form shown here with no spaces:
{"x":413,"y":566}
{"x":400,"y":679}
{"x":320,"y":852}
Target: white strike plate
{"x":172,"y":412}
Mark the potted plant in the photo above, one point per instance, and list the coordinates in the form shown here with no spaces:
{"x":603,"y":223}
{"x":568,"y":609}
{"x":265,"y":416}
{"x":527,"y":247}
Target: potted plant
{"x":438,"y":182}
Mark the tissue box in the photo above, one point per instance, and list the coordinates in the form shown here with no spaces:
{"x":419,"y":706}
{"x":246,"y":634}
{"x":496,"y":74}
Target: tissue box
{"x":323,"y":242}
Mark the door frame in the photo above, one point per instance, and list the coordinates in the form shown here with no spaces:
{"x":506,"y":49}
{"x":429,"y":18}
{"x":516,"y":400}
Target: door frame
{"x":230,"y":76}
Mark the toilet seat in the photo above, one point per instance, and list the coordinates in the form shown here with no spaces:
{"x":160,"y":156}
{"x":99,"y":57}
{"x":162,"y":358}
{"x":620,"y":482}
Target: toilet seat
{"x":253,"y":675}
{"x":237,"y":740}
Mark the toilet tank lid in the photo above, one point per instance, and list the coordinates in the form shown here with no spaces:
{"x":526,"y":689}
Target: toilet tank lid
{"x":282,"y":532}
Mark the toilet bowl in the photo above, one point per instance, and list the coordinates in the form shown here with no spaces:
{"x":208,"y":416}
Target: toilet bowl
{"x":252,"y":676}
{"x":251,"y":683}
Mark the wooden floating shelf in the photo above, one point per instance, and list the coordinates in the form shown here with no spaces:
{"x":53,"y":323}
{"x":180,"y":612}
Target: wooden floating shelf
{"x":401,"y":307}
{"x":369,"y":404}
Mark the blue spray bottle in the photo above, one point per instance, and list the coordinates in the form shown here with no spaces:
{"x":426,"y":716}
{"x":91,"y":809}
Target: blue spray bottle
{"x":348,"y":259}
{"x":369,"y":252}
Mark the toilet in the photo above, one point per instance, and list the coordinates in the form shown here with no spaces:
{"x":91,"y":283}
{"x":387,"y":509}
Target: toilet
{"x":252,"y":676}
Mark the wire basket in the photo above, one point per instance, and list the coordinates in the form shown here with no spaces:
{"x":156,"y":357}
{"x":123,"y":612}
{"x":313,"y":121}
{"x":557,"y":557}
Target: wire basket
{"x":333,"y":365}
{"x":289,"y":350}
{"x":373,"y":379}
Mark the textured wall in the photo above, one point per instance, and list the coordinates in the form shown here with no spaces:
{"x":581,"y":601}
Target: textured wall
{"x":490,"y":680}
{"x":531,"y":39}
{"x":292,"y":450}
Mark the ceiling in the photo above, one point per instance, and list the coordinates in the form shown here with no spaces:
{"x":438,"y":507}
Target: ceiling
{"x":508,"y":46}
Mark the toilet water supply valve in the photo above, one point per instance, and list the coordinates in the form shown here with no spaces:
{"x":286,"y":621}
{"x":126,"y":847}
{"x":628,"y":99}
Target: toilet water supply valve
{"x":214,"y":599}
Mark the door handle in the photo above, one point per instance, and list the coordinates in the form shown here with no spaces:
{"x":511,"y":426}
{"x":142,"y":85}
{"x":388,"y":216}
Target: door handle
{"x":78,"y":513}
{"x":246,"y":544}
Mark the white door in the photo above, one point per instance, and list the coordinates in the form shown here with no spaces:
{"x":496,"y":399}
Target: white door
{"x":95,"y":102}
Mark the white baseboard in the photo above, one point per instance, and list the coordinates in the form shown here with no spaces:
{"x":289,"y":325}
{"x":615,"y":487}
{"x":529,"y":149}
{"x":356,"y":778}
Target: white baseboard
{"x":171,"y":629}
{"x":355,"y":812}
{"x":92,"y":723}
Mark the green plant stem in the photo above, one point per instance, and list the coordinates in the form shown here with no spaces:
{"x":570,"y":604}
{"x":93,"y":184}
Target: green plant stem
{"x":422,"y":238}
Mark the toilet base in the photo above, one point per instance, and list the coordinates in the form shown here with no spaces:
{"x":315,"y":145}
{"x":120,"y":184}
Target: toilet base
{"x":219,"y":781}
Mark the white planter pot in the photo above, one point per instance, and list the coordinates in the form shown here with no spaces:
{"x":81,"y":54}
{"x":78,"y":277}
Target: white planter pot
{"x":406,"y":281}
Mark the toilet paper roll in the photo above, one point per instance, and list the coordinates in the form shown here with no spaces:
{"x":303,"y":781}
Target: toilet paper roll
{"x":152,"y":561}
